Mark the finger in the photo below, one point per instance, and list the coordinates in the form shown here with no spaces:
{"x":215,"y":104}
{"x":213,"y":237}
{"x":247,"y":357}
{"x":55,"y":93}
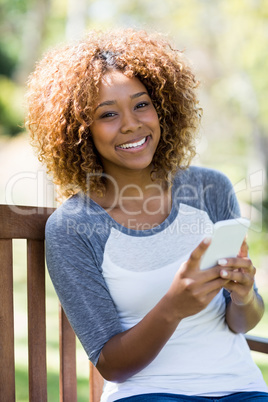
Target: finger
{"x":208,"y":290}
{"x":237,"y":276}
{"x":243,"y":252}
{"x":194,"y":260}
{"x":237,"y":262}
{"x":212,"y":291}
{"x":215,"y":285}
{"x":211,"y":274}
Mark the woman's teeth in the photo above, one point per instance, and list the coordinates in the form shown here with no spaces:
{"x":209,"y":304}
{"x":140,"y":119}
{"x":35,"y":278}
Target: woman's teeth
{"x":133,"y":144}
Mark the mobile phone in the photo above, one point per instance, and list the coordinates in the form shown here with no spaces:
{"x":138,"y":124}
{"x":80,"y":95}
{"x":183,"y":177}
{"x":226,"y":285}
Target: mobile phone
{"x":226,"y":241}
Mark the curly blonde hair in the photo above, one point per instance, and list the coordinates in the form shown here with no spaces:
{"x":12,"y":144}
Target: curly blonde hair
{"x":62,"y":93}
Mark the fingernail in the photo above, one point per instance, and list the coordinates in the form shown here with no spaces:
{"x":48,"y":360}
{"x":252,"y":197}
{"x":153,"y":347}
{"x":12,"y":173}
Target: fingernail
{"x":224,"y":274}
{"x":222,"y":261}
{"x":207,"y":240}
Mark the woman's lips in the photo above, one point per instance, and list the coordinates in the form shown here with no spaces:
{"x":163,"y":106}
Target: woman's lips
{"x":133,"y":145}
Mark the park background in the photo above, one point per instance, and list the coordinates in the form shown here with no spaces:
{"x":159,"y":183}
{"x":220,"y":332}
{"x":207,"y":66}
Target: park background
{"x":226,"y":42}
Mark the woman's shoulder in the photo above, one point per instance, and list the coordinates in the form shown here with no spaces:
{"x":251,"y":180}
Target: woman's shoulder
{"x":202,"y":176}
{"x":207,"y":189}
{"x":72,"y":213}
{"x":67,"y":208}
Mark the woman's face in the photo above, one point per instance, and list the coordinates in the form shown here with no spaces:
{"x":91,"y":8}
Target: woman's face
{"x":125,"y":129}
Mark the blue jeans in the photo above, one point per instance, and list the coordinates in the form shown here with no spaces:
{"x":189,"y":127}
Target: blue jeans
{"x":237,"y":397}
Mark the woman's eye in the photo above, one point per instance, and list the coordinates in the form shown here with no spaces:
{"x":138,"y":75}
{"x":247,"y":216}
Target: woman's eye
{"x":141,"y":105}
{"x":108,"y":114}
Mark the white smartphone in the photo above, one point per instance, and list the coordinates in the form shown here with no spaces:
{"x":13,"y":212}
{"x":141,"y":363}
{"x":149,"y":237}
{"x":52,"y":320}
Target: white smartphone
{"x":226,"y":241}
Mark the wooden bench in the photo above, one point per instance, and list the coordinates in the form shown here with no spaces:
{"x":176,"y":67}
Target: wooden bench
{"x":21,"y":222}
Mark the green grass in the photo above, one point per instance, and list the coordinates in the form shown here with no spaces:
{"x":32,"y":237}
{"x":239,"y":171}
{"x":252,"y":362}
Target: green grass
{"x":53,"y":386}
{"x":21,"y":357}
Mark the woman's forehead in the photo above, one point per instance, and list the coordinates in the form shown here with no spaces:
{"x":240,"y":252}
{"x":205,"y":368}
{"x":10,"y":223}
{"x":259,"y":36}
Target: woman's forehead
{"x":116,"y":81}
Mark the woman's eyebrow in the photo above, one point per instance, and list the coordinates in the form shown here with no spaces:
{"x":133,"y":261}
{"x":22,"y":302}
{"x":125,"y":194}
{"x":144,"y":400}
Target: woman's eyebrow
{"x":106,"y":103}
{"x":137,"y":95}
{"x":113,"y":102}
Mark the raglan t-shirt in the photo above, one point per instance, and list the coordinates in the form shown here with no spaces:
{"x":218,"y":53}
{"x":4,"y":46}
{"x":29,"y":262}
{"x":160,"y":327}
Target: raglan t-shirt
{"x":108,"y":277}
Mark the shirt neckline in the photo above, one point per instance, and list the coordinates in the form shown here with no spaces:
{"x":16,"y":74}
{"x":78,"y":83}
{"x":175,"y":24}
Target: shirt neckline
{"x":136,"y":232}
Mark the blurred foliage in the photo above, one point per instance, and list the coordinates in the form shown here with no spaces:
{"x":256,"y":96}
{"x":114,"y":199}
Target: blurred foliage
{"x":11,"y":113}
{"x":12,"y":18}
{"x":226,"y":40}
{"x":218,"y":34}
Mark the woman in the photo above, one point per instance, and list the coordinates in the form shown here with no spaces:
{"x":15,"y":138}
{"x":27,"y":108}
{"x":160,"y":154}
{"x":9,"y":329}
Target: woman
{"x":114,"y":117}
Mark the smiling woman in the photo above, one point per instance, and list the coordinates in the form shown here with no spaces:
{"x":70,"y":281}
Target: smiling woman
{"x":114,"y":117}
{"x":125,"y":128}
{"x":64,"y":93}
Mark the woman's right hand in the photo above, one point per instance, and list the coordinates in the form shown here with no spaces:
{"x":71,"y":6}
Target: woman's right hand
{"x":193,"y":289}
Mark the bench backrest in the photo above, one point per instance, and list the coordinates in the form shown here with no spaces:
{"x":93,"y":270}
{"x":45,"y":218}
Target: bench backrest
{"x":29,"y":223}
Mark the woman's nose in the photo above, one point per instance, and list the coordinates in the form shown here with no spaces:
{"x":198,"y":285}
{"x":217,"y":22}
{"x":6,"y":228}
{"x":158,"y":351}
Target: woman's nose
{"x":130,"y":123}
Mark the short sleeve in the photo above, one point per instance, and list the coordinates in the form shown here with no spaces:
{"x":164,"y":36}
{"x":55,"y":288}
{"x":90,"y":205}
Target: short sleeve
{"x":209,"y":190}
{"x":219,"y":195}
{"x":228,"y":206}
{"x":80,"y":286}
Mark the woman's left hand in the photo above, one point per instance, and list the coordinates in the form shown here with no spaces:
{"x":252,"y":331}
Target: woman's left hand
{"x":240,"y":272}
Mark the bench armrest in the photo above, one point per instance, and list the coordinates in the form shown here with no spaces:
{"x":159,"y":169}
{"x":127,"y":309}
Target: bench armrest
{"x":257,"y":343}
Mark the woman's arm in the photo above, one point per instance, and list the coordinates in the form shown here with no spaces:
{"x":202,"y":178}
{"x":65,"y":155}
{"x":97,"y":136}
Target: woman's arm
{"x":243,"y":317}
{"x":191,"y":291}
{"x":246,"y":307}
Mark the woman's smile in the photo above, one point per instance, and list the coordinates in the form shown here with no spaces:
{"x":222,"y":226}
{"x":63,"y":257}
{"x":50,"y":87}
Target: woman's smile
{"x":126,"y":128}
{"x":134,"y":145}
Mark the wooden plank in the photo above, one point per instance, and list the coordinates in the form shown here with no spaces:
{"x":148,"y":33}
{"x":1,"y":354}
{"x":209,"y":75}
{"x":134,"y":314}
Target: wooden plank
{"x":95,"y":383}
{"x":21,"y":222}
{"x":7,"y":361}
{"x":68,"y":381}
{"x":257,"y":343}
{"x":36,"y":321}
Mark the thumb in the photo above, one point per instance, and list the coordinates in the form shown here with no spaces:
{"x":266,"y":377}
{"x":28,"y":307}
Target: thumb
{"x":198,"y":252}
{"x":243,"y":252}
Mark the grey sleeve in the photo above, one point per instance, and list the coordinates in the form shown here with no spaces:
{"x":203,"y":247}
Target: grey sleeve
{"x":81,"y":288}
{"x":209,"y":190}
{"x":220,"y":196}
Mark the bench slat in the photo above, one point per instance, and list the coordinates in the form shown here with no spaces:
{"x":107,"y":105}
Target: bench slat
{"x":68,"y":380}
{"x":96,"y":384}
{"x":7,"y":361}
{"x":36,"y":321}
{"x":21,"y":222}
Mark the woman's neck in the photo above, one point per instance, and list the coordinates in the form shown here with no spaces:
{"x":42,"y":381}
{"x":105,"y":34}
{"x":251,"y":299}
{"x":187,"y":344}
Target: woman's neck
{"x":134,"y":187}
{"x":135,"y":200}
